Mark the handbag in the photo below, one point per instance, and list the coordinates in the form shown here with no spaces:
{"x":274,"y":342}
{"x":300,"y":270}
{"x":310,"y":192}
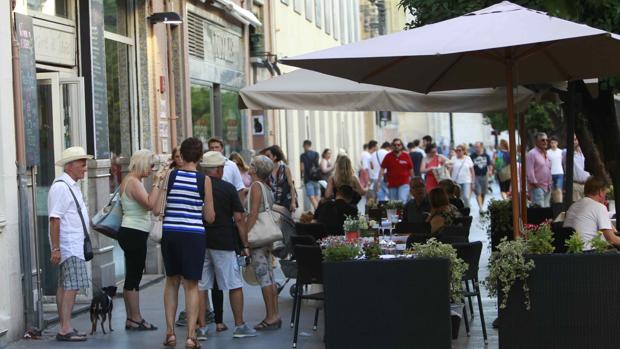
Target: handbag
{"x":266,"y":230}
{"x":504,"y":174}
{"x":441,"y":173}
{"x":108,"y":220}
{"x":88,"y":246}
{"x":156,"y":229}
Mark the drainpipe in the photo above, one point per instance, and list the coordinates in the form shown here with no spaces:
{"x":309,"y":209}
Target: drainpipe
{"x":171,"y":86}
{"x":22,"y":182}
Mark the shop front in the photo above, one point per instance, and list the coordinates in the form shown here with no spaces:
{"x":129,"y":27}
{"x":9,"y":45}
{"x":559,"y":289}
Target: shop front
{"x":217,"y":59}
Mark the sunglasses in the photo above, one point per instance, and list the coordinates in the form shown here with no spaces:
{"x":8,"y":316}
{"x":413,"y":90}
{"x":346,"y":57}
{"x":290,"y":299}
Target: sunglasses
{"x":397,"y":145}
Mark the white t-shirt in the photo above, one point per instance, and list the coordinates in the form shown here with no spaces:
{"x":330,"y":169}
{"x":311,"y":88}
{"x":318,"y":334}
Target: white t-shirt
{"x":461,"y":170}
{"x":60,"y":204}
{"x":232,"y":175}
{"x":587,"y":217}
{"x":365,"y":160}
{"x":376,"y":159}
{"x":556,"y":161}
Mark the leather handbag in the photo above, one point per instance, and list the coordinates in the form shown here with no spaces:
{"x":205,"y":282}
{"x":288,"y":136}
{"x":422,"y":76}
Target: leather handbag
{"x":266,"y":230}
{"x":88,"y":246}
{"x":108,"y":220}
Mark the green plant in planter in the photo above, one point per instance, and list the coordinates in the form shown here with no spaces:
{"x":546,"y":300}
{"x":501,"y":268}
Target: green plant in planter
{"x":574,"y":244}
{"x":435,"y":249}
{"x":394,"y":205}
{"x":500,"y":215}
{"x":599,"y":243}
{"x":539,"y":238}
{"x":372,"y":251}
{"x":338,"y":249}
{"x":507,"y":265}
{"x":351,"y":224}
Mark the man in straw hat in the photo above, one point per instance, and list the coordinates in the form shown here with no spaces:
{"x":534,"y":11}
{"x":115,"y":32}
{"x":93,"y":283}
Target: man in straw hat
{"x":221,"y":264}
{"x":66,"y":234}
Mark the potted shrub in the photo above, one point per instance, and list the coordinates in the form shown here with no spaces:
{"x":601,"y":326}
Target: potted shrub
{"x":500,"y":215}
{"x":351,"y":228}
{"x":393,"y":208}
{"x":338,"y":249}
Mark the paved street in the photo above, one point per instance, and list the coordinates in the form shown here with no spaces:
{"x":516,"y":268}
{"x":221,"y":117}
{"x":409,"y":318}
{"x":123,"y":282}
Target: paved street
{"x":153,"y":311}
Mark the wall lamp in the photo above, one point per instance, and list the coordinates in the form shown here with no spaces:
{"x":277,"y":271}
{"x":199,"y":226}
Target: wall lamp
{"x":171,"y":18}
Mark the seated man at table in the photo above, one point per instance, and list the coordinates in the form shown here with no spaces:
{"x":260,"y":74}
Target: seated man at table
{"x":417,"y":209}
{"x":589,"y":215}
{"x":332,"y":213}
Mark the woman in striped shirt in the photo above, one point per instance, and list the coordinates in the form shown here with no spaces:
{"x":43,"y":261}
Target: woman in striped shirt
{"x":188,"y":202}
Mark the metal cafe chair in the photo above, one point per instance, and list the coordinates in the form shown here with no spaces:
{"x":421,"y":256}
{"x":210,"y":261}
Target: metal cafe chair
{"x":309,"y":271}
{"x":470,"y":253}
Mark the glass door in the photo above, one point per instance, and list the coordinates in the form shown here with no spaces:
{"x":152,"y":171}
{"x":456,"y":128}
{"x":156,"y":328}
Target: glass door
{"x":61,"y":125}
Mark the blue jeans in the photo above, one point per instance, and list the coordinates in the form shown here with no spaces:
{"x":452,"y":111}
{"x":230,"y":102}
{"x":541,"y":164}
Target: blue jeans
{"x":400,"y":193}
{"x":540,"y":197}
{"x":382,"y":191}
{"x":313,"y":188}
{"x":558,"y":181}
{"x":465,"y":193}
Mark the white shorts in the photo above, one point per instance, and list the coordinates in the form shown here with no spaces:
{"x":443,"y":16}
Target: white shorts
{"x":223,"y":266}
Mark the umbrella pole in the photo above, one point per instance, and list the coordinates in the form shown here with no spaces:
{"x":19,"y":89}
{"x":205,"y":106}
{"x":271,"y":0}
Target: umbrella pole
{"x":523,"y":168}
{"x":513,"y":149}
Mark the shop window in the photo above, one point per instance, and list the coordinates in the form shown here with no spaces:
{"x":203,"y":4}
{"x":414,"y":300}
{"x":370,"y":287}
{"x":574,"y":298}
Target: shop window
{"x":202,"y":112}
{"x":309,"y":10}
{"x":231,"y":121}
{"x":318,"y":12}
{"x":58,"y":8}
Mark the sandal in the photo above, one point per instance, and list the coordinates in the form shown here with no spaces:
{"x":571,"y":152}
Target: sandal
{"x":265,"y":326}
{"x":171,"y":340}
{"x":142,"y":326}
{"x":70,"y":337}
{"x":192,"y":343}
{"x":221,"y":328}
{"x":81,"y":334}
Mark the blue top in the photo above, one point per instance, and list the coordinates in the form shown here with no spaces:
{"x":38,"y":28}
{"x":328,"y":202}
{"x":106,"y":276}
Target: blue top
{"x":184,"y":203}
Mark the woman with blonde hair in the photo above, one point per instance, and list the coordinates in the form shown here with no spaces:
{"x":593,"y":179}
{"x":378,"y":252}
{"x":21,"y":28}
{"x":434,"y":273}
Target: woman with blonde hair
{"x":344,"y":175}
{"x":243,"y":168}
{"x":135,"y":227}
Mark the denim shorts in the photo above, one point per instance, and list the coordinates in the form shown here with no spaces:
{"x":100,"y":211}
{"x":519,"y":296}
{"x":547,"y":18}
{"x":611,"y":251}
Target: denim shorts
{"x":558,"y":181}
{"x":313,"y":188}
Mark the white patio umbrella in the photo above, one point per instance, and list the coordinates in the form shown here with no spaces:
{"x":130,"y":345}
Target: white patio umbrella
{"x":496,"y":46}
{"x":309,"y":90}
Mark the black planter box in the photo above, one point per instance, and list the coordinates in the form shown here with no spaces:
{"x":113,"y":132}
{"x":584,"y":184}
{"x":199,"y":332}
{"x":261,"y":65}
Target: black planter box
{"x":387,"y":304}
{"x":575,"y":303}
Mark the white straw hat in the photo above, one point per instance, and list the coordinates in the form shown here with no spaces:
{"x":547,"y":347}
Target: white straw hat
{"x":72,"y":154}
{"x":212,"y":159}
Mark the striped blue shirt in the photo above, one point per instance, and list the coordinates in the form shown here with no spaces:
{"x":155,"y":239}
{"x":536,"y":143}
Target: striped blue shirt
{"x":184,"y":205}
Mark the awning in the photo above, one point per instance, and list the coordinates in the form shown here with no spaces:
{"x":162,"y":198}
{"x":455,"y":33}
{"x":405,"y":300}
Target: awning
{"x":241,"y":14}
{"x":308,"y":90}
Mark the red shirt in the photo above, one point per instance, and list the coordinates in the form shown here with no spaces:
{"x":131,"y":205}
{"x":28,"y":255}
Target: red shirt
{"x":398,"y":168}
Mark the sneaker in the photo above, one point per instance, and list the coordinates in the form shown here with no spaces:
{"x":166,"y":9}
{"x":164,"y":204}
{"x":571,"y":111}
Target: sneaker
{"x":210,"y":317}
{"x":243,"y":331}
{"x":201,"y":333}
{"x":182,"y":321}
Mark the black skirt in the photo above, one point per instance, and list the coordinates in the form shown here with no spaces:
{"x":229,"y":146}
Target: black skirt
{"x":183,"y":254}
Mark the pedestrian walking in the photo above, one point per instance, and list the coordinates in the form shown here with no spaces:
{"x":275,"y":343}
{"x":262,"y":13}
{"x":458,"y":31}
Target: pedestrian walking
{"x":432,"y":161}
{"x":463,"y":173}
{"x":377,"y":159}
{"x":282,"y":183}
{"x":242,"y":167}
{"x":364,"y":172}
{"x":483,"y":168}
{"x":580,"y":175}
{"x":502,"y":168}
{"x":538,"y":168}
{"x":399,"y":171}
{"x":261,"y":258}
{"x":344,"y":176}
{"x":557,"y":171}
{"x":68,"y":219}
{"x":375,"y":167}
{"x":311,"y":173}
{"x":189,"y":201}
{"x":134,"y":232}
{"x":223,"y":237}
{"x":417,"y":156}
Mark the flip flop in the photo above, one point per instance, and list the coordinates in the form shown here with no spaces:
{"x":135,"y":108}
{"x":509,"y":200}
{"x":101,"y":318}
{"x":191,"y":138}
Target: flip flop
{"x":265,"y":326}
{"x":82,"y":334}
{"x":70,"y":337}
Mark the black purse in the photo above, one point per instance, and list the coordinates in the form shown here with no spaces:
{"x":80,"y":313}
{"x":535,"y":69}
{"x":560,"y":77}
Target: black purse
{"x":88,"y":246}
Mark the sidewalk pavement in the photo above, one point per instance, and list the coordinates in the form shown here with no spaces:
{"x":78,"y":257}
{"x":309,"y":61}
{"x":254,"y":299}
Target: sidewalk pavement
{"x":152,"y":310}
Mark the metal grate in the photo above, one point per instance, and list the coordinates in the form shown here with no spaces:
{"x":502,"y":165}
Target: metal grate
{"x":196,"y":35}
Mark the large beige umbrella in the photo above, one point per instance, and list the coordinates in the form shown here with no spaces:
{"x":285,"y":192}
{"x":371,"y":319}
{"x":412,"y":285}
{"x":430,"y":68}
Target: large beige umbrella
{"x":502,"y":45}
{"x":309,"y":90}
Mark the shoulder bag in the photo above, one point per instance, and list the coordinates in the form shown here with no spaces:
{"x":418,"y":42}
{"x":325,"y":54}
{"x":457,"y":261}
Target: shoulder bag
{"x":266,"y":230}
{"x":108,"y":220}
{"x":156,"y":230}
{"x":88,"y":246}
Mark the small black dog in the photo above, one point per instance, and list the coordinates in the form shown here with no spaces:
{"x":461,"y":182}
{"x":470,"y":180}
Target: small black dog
{"x":101,"y":307}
